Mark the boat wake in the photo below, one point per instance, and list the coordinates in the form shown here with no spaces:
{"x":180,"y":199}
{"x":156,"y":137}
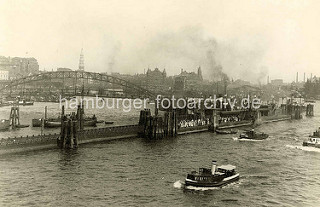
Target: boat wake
{"x":304,"y":148}
{"x":201,"y":188}
{"x":178,"y":184}
{"x":246,"y":140}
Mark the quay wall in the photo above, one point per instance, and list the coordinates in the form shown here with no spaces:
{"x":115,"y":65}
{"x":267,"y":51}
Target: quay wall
{"x":34,"y":142}
{"x":17,"y":144}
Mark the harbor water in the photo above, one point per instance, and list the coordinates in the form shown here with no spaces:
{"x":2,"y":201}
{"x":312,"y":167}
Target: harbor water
{"x":137,"y":172}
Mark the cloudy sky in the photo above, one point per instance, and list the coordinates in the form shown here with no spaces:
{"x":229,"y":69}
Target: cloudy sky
{"x":249,"y":39}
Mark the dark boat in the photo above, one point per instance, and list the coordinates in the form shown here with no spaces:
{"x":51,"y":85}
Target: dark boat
{"x":108,"y":122}
{"x":55,"y":123}
{"x":252,"y":135}
{"x":22,"y":126}
{"x":226,"y":131}
{"x":52,"y":124}
{"x":214,"y":177}
{"x":92,"y":123}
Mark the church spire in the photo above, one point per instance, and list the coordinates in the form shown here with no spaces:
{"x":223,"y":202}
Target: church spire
{"x":81,"y":61}
{"x":200,"y":73}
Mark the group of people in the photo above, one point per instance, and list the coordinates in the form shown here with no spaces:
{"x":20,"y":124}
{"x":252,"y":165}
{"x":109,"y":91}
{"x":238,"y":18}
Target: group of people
{"x":229,"y":119}
{"x":191,"y":123}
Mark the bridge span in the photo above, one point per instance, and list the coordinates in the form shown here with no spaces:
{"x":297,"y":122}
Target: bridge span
{"x":73,"y":83}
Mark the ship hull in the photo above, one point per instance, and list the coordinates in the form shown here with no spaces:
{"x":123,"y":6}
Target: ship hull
{"x":225,"y":132}
{"x":52,"y":124}
{"x":256,"y":137}
{"x":311,"y":144}
{"x":225,"y":181}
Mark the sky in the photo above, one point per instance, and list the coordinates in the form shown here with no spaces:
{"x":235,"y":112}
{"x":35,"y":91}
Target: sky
{"x":249,"y":39}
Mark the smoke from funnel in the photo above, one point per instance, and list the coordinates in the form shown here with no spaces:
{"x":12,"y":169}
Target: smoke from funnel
{"x":189,"y":48}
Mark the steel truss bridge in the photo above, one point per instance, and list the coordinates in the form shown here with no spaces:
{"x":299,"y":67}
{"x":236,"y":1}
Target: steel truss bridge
{"x":70,"y":83}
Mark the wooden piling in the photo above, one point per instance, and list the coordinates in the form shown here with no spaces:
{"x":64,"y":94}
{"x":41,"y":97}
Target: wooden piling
{"x":75,"y":133}
{"x":14,"y":117}
{"x":68,"y":141}
{"x":45,"y":112}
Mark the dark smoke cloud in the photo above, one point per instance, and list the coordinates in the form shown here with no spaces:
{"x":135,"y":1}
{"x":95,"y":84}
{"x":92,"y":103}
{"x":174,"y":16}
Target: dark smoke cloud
{"x":189,"y":48}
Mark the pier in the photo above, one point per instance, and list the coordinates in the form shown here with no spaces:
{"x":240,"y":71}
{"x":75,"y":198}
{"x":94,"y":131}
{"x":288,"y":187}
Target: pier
{"x":162,"y":124}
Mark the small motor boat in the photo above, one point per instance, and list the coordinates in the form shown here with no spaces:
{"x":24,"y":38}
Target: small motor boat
{"x":214,"y":177}
{"x":252,"y":135}
{"x":226,"y":131}
{"x":314,"y":140}
{"x":108,"y":122}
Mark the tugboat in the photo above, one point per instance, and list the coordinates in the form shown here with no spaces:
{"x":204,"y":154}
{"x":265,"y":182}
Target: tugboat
{"x":252,"y":135}
{"x":314,"y":140}
{"x":214,"y":177}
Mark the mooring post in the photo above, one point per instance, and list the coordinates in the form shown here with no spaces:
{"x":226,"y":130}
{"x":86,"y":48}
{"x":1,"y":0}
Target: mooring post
{"x":68,"y":134}
{"x":75,"y":133}
{"x":42,"y":125}
{"x":61,"y":140}
{"x":14,"y":117}
{"x":175,"y":122}
{"x":45,"y":112}
{"x":81,"y":118}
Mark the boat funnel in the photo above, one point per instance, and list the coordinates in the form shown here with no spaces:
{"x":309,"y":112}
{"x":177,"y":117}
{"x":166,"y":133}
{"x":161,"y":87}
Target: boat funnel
{"x":214,"y":166}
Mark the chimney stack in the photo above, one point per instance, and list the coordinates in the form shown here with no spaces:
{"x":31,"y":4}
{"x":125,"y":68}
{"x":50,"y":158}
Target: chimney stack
{"x":214,"y":166}
{"x":297,"y":78}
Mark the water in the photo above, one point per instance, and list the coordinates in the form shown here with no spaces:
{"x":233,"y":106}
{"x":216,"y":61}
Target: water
{"x":137,"y":172}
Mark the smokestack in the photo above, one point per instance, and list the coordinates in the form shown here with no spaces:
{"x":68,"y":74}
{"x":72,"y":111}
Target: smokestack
{"x":214,"y":166}
{"x":304,"y":77}
{"x":311,"y":77}
{"x":268,"y":80}
{"x":297,"y":78}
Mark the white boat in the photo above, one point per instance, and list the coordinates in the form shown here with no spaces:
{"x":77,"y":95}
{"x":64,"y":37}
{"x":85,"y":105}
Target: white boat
{"x":312,"y":142}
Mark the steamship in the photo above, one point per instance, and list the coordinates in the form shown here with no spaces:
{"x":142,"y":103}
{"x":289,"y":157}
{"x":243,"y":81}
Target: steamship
{"x":314,"y":140}
{"x":252,"y":135}
{"x":214,"y":177}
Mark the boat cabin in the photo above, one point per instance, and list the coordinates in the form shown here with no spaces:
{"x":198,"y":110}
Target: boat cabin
{"x":315,"y":140}
{"x":317,"y":133}
{"x":227,"y":169}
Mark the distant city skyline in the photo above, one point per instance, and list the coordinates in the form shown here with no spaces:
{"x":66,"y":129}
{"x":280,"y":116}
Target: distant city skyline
{"x":249,"y":39}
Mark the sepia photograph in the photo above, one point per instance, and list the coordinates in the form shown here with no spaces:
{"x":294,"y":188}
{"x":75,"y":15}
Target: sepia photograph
{"x":160,"y":103}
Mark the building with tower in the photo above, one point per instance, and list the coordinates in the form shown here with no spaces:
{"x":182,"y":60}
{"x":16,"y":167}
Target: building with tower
{"x":18,"y":67}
